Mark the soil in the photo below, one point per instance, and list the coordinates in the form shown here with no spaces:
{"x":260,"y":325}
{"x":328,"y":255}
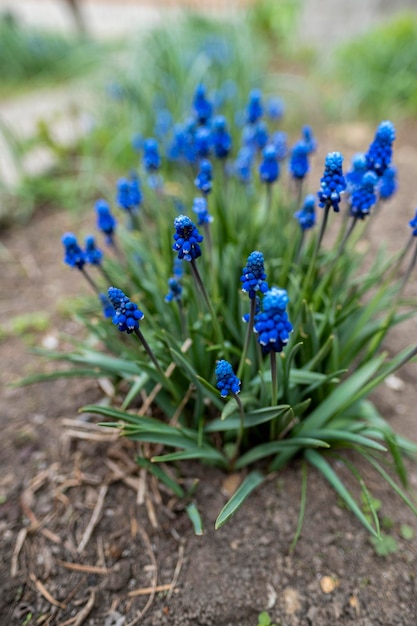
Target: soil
{"x":87,"y":538}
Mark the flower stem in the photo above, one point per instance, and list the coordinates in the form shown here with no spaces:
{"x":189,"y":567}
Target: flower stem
{"x":312,"y":264}
{"x":105,"y":275}
{"x":90,"y":281}
{"x":346,"y":235}
{"x":200,"y":285}
{"x":410,"y":267}
{"x":148,"y":351}
{"x":274,"y":377}
{"x":247,"y":338}
{"x":241,"y":428}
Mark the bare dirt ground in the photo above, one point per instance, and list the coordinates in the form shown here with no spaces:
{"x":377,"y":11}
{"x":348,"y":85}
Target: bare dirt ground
{"x":86,"y":538}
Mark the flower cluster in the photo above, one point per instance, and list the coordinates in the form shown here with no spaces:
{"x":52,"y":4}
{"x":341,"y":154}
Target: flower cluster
{"x":221,"y":138}
{"x":413,"y":225}
{"x":175,"y":290}
{"x":388,"y":183}
{"x":333,"y":182}
{"x":203,"y":180}
{"x":202,"y":107}
{"x":306,"y":216}
{"x":227,"y":381}
{"x":127,"y":315}
{"x":272,"y":324}
{"x":253,"y":275}
{"x":379,"y":155}
{"x":269,"y":166}
{"x":187,"y":239}
{"x":74,"y":255}
{"x":151,"y":157}
{"x":129,"y":195}
{"x":363,"y":196}
{"x":93,"y":255}
{"x":200,"y":207}
{"x":105,"y":220}
{"x":299,"y":165}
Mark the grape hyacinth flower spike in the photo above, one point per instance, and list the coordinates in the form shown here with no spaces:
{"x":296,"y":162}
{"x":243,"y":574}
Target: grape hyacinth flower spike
{"x":269,"y":167}
{"x":203,"y":180}
{"x":332,"y":183}
{"x":275,"y":109}
{"x":94,"y":256}
{"x":228,"y":383}
{"x":152,"y":162}
{"x":388,"y":183}
{"x":106,"y":222}
{"x":362,"y":199}
{"x":221,"y":138}
{"x":273,"y":329}
{"x":306,"y":216}
{"x":254,"y":110}
{"x":187,"y":239}
{"x":203,"y":142}
{"x":253,"y":282}
{"x":357,"y":171}
{"x":379,"y":155}
{"x":127,"y":317}
{"x":299,"y":167}
{"x":202,"y":107}
{"x":75,"y":257}
{"x":308,"y":139}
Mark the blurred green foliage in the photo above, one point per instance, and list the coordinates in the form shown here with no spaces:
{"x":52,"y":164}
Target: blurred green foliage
{"x":379,"y":68}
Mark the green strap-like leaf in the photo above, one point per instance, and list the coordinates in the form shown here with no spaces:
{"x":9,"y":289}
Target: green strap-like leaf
{"x":159,"y":473}
{"x":272,"y":447}
{"x":254,"y":418}
{"x":251,"y":482}
{"x":328,"y":434}
{"x":330,"y":475}
{"x":194,"y":515}
{"x":207,"y":454}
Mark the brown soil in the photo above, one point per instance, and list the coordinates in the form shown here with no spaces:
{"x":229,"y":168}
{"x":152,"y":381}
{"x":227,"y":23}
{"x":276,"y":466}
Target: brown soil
{"x":58,"y":472}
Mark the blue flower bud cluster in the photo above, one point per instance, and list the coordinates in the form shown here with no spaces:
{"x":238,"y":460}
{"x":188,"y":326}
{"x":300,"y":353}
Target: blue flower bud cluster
{"x":357,"y":171}
{"x":253,"y":275}
{"x":187,"y":239}
{"x":388,"y":183}
{"x":221,"y":138}
{"x":106,"y":305}
{"x":306,"y":216}
{"x":258,"y":309}
{"x":74,"y":255}
{"x":202,"y":107}
{"x":279,"y":140}
{"x":106,"y":223}
{"x":379,"y":155}
{"x":269,"y":166}
{"x":242,"y":166}
{"x":129,"y":195}
{"x":333,"y":182}
{"x":203,"y":142}
{"x":254,"y":110}
{"x":203,"y":180}
{"x":174,"y":290}
{"x":151,"y":157}
{"x":227,"y":381}
{"x":127,"y":315}
{"x":92,"y":254}
{"x":308,"y":139}
{"x":299,"y":165}
{"x":200,"y":207}
{"x":275,"y":109}
{"x":363,"y":196}
{"x":272,"y":324}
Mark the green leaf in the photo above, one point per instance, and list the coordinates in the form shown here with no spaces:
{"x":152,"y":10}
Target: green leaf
{"x":407,"y":532}
{"x":327,"y":471}
{"x":384,"y":545}
{"x":272,"y":447}
{"x":161,"y":475}
{"x":194,"y":515}
{"x":341,"y":397}
{"x":254,"y":418}
{"x":339,"y":435}
{"x":206,"y":454}
{"x":138,"y":384}
{"x":250,"y":482}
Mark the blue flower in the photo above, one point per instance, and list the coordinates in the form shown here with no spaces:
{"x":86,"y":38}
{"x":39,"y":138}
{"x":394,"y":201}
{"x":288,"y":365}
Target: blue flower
{"x":202,"y":107}
{"x":175,"y":290}
{"x":203,"y":180}
{"x":92,"y":254}
{"x":108,"y":310}
{"x":203,"y":141}
{"x":129,"y":195}
{"x":151,"y":158}
{"x":388,"y":183}
{"x":333,"y":182}
{"x":254,"y":109}
{"x":178,"y":270}
{"x":253,"y":275}
{"x":269,"y":167}
{"x":255,"y":136}
{"x":279,"y":140}
{"x":74,"y":256}
{"x":243,"y":165}
{"x":200,"y":207}
{"x":378,"y":157}
{"x":226,"y":381}
{"x":222,"y":140}
{"x":106,"y":223}
{"x":355,"y":175}
{"x":127,"y":315}
{"x":309,"y":139}
{"x":306,"y":216}
{"x":299,"y":165}
{"x":275,"y":109}
{"x":272,"y":324}
{"x":363,"y":196}
{"x":187,"y":239}
{"x":413,"y":224}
